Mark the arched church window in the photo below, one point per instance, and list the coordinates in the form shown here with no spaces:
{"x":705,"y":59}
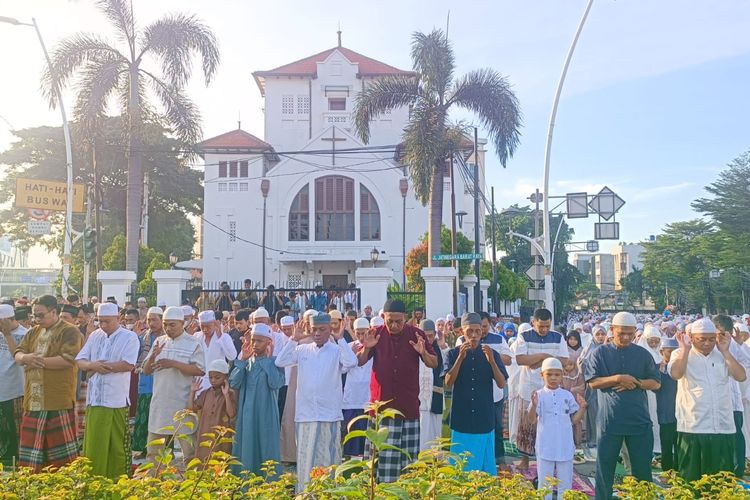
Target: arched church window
{"x":299,"y":216}
{"x":334,"y":208}
{"x":369,"y":215}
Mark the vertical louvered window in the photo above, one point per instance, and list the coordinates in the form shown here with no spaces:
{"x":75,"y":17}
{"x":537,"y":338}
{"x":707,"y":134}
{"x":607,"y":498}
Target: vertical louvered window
{"x":334,"y":209}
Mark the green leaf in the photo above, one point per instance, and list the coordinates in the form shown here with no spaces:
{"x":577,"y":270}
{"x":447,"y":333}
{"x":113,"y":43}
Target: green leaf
{"x":194,"y":463}
{"x":354,"y":434}
{"x":350,"y":465}
{"x":394,"y":490}
{"x":157,"y":442}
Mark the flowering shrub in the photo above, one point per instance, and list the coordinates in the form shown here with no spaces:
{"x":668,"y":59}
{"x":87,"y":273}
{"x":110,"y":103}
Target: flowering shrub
{"x":435,"y":474}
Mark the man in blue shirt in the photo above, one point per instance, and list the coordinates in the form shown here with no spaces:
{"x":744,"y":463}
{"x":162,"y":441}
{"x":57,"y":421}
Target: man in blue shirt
{"x":622,"y":371}
{"x":472,"y":371}
{"x":319,"y":300}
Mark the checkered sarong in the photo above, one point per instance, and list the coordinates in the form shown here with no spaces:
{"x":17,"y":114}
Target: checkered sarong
{"x":48,"y":438}
{"x":403,"y":434}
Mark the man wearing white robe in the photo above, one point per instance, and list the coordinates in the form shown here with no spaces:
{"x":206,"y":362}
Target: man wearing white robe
{"x":319,"y":395}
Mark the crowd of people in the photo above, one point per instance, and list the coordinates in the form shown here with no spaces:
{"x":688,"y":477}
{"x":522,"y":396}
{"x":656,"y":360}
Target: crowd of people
{"x":110,"y":383}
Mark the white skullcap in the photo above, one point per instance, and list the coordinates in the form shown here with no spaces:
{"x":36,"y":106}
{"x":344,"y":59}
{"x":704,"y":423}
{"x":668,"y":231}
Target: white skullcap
{"x":260,"y":313}
{"x":742,"y":327}
{"x":381,"y":313}
{"x":703,"y":325}
{"x":524,"y":327}
{"x":107,"y":309}
{"x":219,"y":365}
{"x":551,"y":364}
{"x":287,"y":321}
{"x":6,"y":311}
{"x":745,"y":316}
{"x":450,"y":317}
{"x":262,"y":330}
{"x":578,"y":326}
{"x":141,"y":299}
{"x":440,"y":320}
{"x":161,"y":303}
{"x":206,"y":316}
{"x":187,"y":311}
{"x":377,"y":321}
{"x":361,"y":323}
{"x":174,"y":314}
{"x":155,"y":310}
{"x":308,"y":313}
{"x":366,"y":306}
{"x":624,"y":318}
{"x":651,"y":332}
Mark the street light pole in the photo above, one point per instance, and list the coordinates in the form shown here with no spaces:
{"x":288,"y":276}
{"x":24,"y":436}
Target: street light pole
{"x":548,"y":292}
{"x":265,"y":185}
{"x":403,"y":186}
{"x":68,"y":239}
{"x":477,"y":286}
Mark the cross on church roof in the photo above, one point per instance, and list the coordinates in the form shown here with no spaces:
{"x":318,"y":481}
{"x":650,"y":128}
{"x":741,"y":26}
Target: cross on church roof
{"x":333,"y":140}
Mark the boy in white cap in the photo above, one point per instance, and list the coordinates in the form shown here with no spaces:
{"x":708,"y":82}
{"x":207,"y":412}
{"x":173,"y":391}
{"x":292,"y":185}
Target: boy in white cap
{"x":175,"y":359}
{"x":109,"y":355}
{"x":257,"y":380}
{"x":622,"y":371}
{"x":555,"y":411}
{"x":216,"y":344}
{"x":319,"y":394}
{"x":356,"y":392}
{"x":11,"y":388}
{"x":702,"y":367}
{"x":216,"y":406}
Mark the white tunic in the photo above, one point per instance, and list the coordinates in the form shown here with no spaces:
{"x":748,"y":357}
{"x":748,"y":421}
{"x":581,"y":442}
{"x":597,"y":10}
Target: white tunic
{"x":11,"y":373}
{"x":218,"y":348}
{"x":554,"y":429}
{"x":110,"y":390}
{"x":319,"y":395}
{"x":704,"y":394}
{"x":357,"y":386}
{"x":530,"y":379}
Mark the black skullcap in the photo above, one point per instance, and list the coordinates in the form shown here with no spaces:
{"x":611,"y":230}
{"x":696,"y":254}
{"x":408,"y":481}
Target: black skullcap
{"x":22,"y":313}
{"x":394,"y":306}
{"x":72,"y":310}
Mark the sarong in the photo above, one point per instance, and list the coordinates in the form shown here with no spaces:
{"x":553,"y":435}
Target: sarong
{"x":107,"y":441}
{"x":11,"y":412}
{"x":288,"y":431}
{"x":403,"y":434}
{"x":80,"y":406}
{"x":48,"y":438}
{"x":481,"y":449}
{"x":319,"y":446}
{"x":430,"y":429}
{"x":526,"y":435}
{"x":140,"y":428}
{"x":356,"y":446}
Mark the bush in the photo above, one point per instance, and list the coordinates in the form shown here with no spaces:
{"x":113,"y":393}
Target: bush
{"x":435,"y":474}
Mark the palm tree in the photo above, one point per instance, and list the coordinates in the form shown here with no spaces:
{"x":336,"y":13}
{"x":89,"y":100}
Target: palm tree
{"x":106,"y":74}
{"x":429,"y":138}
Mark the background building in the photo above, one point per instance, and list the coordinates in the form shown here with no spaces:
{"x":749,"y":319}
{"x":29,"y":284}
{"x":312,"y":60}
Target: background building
{"x":326,"y":201}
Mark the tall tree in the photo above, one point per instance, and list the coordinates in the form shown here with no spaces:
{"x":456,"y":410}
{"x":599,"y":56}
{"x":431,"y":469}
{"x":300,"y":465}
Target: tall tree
{"x":431,"y":95}
{"x":175,"y":189}
{"x":106,"y":74}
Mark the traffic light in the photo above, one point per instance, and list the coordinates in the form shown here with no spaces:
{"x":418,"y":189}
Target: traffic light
{"x":89,"y":244}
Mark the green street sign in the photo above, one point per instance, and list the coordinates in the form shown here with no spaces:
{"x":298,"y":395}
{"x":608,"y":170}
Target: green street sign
{"x":457,"y":256}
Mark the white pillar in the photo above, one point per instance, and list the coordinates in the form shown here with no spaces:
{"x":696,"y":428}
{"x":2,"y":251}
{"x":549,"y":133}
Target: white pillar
{"x":485,"y":286}
{"x":169,"y":285}
{"x":116,"y":284}
{"x":438,"y":288}
{"x":469,"y":281}
{"x":373,"y":284}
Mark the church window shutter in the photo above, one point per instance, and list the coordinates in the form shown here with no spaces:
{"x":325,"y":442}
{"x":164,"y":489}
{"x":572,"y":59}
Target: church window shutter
{"x":232,"y":169}
{"x":334,"y":208}
{"x":222,"y":169}
{"x":299,"y":216}
{"x":243,"y":168}
{"x":369,"y":215}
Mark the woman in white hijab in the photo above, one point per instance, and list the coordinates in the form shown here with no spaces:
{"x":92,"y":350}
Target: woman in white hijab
{"x":651,"y":340}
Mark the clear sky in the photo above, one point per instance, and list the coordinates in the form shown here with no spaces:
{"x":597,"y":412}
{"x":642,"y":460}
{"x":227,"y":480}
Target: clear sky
{"x":654,"y":106}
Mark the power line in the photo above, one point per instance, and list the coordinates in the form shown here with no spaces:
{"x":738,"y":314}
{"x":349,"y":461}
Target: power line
{"x":255,"y":244}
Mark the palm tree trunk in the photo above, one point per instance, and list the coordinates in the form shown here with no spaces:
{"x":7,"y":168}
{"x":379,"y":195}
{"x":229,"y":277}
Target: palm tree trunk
{"x":135,"y":177}
{"x":435,"y":212}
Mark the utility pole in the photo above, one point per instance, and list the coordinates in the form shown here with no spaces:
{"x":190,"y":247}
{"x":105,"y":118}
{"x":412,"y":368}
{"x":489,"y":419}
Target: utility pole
{"x":494,"y":253}
{"x":97,"y":214}
{"x":454,"y":263}
{"x":144,"y":211}
{"x":477,"y":286}
{"x":86,"y":259}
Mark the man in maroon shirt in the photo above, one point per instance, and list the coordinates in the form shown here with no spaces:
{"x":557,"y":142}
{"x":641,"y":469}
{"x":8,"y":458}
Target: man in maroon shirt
{"x":396,"y":349}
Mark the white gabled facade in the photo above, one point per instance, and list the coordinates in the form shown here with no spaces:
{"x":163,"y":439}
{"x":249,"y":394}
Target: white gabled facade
{"x":325,"y":211}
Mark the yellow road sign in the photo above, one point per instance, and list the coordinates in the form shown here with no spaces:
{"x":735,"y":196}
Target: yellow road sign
{"x":48,"y":195}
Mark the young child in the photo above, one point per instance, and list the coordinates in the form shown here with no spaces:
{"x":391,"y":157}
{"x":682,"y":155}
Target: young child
{"x":573,"y":382}
{"x":356,"y":393}
{"x":215,"y":406}
{"x":665,"y":407}
{"x":555,"y":411}
{"x":257,"y":379}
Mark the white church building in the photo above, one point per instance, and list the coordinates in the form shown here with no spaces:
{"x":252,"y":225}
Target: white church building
{"x":324,"y":202}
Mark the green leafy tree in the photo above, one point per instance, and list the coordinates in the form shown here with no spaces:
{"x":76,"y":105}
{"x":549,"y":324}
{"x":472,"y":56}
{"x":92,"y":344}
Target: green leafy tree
{"x":155,"y":59}
{"x":428,"y":137}
{"x":175,"y":189}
